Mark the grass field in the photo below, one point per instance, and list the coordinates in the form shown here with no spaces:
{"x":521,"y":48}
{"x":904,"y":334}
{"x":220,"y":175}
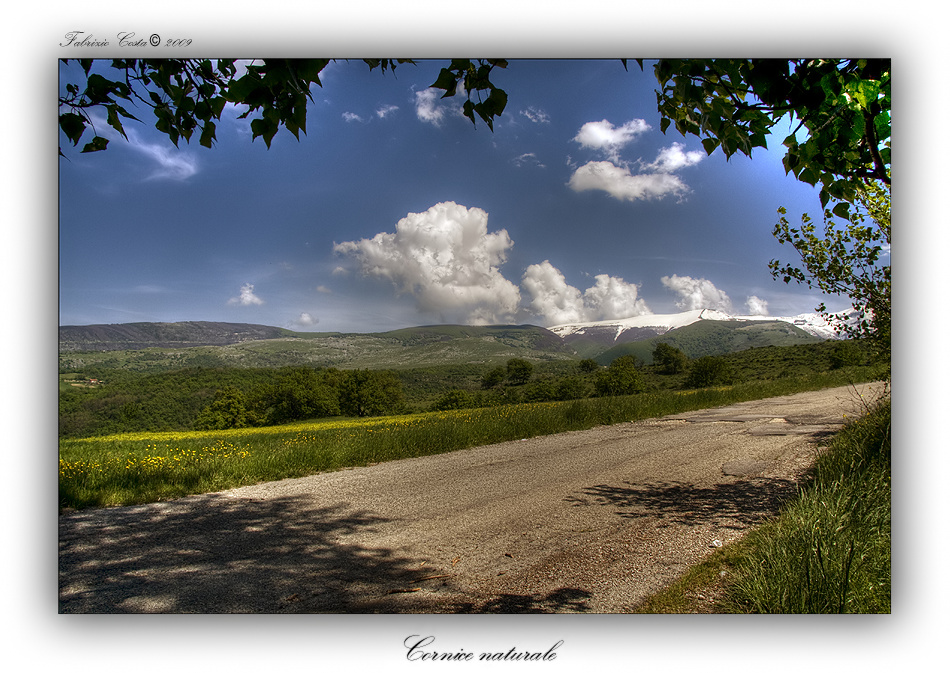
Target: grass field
{"x":146,"y":467}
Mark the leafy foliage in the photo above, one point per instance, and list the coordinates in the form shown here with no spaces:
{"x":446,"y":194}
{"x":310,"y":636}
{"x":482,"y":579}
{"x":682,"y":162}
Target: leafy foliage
{"x":622,"y":377}
{"x":519,"y":371}
{"x":671,"y":360}
{"x":228,"y":410}
{"x":847,"y":259}
{"x":474,"y":76}
{"x":843,"y":106}
{"x":708,"y":371}
{"x":187,"y":96}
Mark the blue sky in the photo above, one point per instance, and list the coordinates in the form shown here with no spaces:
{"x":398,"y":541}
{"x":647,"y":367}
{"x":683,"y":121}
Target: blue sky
{"x":395,"y":211}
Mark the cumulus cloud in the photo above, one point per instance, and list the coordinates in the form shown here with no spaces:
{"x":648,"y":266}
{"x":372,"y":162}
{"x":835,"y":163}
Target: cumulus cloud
{"x":386,"y":110}
{"x":757,"y":306}
{"x":673,"y":158}
{"x":305,"y":320}
{"x":427,"y":106}
{"x":535,"y":115}
{"x":612,"y":298}
{"x":697,"y":293}
{"x":605,"y":137}
{"x":447,"y":260}
{"x":551,"y":298}
{"x":247,"y":297}
{"x":623,"y":185}
{"x":556,"y":302}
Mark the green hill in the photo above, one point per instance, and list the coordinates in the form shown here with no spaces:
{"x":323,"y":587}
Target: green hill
{"x":398,"y":349}
{"x":714,"y":337}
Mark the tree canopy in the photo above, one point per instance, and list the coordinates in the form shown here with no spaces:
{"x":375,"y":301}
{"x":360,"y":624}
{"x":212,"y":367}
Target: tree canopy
{"x":842,"y":106}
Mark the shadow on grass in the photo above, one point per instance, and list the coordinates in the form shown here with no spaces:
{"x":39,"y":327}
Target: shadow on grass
{"x":217,"y":554}
{"x":734,"y":505}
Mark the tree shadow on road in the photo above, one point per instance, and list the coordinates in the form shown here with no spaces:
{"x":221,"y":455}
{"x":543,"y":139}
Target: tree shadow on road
{"x":740,"y":503}
{"x":219,"y":554}
{"x":559,"y":600}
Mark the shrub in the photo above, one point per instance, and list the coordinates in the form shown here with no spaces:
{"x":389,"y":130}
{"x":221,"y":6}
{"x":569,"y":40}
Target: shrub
{"x":669,"y":359}
{"x":622,"y":377}
{"x":708,"y":371}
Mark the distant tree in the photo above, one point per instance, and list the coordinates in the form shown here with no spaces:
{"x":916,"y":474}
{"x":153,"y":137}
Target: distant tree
{"x":846,"y":354}
{"x":708,"y":371}
{"x":588,"y":366}
{"x":622,"y":377}
{"x":669,"y":359}
{"x":300,"y":393}
{"x":455,"y":399}
{"x":573,"y":388}
{"x":494,"y":377}
{"x":227,"y":410}
{"x":371,"y":393}
{"x":519,"y":371}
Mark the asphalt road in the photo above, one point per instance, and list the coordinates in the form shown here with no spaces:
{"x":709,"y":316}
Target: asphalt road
{"x":591,"y":521}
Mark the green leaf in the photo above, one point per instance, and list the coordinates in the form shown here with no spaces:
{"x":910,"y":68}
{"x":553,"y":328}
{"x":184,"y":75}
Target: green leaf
{"x":842,"y":210}
{"x":112,"y":117}
{"x":73,"y":125}
{"x":446,"y":81}
{"x":710,"y":145}
{"x":207,"y":135}
{"x":97,"y":144}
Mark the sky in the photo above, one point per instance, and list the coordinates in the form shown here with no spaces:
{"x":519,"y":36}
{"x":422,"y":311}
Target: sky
{"x":394,"y":210}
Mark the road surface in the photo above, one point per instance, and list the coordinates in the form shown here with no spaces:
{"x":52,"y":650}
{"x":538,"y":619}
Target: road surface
{"x":591,"y":521}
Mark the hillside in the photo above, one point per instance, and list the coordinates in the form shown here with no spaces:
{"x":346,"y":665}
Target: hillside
{"x":165,"y":346}
{"x":139,"y":335}
{"x":398,"y":349}
{"x":714,"y":337}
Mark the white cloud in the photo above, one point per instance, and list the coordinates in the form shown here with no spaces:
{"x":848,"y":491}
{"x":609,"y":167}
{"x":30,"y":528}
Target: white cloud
{"x":607,"y":138}
{"x":165,"y":160}
{"x":386,"y":110}
{"x":446,"y":259}
{"x":697,"y":293}
{"x":247,"y":297}
{"x":556,"y":302}
{"x":551,"y":298}
{"x":621,"y":184}
{"x":757,"y":306}
{"x":612,"y":298}
{"x":305,"y":320}
{"x":527,"y":159}
{"x":323,"y":289}
{"x":673,"y":158}
{"x":427,"y":106}
{"x":535,"y":115}
{"x":352,"y":117}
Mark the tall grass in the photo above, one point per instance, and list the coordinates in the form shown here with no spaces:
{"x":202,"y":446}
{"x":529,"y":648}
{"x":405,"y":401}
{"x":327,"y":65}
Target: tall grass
{"x":145,"y":467}
{"x":830,"y":550}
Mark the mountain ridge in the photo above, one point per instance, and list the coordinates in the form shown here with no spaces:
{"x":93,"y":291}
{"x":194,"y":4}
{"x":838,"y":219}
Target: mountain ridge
{"x":151,"y":346}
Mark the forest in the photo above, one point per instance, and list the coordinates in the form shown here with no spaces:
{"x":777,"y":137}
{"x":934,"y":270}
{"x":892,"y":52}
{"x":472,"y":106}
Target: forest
{"x":98,"y":400}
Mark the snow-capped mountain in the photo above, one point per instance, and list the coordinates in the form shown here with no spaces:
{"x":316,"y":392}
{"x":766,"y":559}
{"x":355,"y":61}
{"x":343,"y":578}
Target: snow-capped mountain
{"x":645,"y":326}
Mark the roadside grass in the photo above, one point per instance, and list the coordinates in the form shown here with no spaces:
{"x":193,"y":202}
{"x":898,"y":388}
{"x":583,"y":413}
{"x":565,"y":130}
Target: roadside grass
{"x":136,"y":468}
{"x":828,"y":551}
